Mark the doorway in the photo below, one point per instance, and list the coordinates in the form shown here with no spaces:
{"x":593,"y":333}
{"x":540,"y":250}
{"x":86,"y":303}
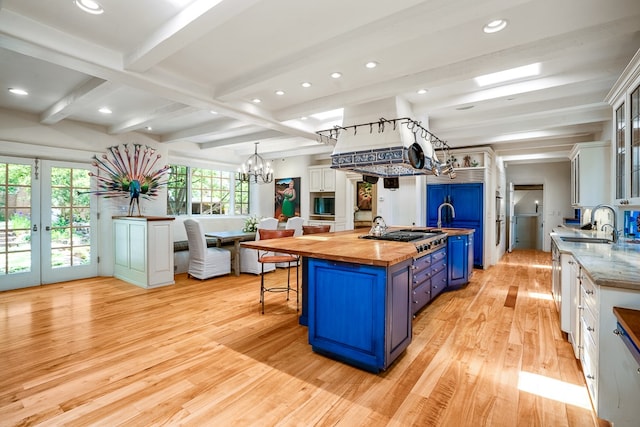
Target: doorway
{"x":47,"y":222}
{"x":527,"y":205}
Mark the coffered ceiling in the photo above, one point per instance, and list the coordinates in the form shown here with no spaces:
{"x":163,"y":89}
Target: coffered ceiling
{"x":163,"y":66}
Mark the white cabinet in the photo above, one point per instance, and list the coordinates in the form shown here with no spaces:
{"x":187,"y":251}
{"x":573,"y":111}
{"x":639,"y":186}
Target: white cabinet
{"x":322,"y":179}
{"x":590,"y":167}
{"x":612,"y":387}
{"x":335,"y":226}
{"x":624,"y":97}
{"x":143,"y":250}
{"x":567,"y":282}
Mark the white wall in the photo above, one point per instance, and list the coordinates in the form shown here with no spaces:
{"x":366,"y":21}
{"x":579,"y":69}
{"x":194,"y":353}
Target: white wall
{"x":556,"y":203}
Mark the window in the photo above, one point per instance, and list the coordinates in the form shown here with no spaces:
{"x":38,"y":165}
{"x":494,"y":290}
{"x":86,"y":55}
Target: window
{"x":177,"y":190}
{"x":200,"y":191}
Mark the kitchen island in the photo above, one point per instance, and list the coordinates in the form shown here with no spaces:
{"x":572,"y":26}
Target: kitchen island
{"x":606,"y":277}
{"x":357,"y":294}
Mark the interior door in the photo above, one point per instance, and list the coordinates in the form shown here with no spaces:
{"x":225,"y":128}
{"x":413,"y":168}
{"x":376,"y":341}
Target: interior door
{"x":19,"y":223}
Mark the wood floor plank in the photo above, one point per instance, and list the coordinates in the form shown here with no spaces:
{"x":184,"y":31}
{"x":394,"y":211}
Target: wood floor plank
{"x":103,"y":352}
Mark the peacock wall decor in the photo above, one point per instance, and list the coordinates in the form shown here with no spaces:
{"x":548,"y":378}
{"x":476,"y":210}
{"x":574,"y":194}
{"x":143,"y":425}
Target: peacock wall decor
{"x":129,"y":173}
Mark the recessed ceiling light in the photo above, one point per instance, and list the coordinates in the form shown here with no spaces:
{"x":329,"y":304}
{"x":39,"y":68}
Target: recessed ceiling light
{"x":279,"y":92}
{"x":303,"y":118}
{"x":495,"y":26}
{"x":105,"y":110}
{"x":17,"y":91}
{"x":306,"y":84}
{"x":336,"y":75}
{"x":213,"y":112}
{"x":256,"y":100}
{"x":148,"y":128}
{"x":422,"y":91}
{"x":371,"y":64}
{"x":507,"y":75}
{"x":90,"y":6}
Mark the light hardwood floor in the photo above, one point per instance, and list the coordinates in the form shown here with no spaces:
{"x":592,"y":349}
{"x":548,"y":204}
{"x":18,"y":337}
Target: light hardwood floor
{"x":104,"y":352}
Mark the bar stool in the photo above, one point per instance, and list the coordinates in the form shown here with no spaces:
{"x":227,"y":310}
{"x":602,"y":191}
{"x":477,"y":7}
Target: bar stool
{"x":270,"y":258}
{"x":313,"y":229}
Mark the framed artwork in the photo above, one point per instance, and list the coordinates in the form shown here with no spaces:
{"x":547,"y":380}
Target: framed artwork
{"x":287,"y":201}
{"x":365,"y":196}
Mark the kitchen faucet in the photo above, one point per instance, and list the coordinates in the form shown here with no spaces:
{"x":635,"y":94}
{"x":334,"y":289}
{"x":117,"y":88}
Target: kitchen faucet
{"x":615,"y":220}
{"x":453,"y":213}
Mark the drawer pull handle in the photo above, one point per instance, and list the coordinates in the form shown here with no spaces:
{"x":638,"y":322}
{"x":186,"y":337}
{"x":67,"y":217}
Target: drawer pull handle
{"x":588,"y":292}
{"x":617,"y":332}
{"x":590,"y":377}
{"x":589,"y":328}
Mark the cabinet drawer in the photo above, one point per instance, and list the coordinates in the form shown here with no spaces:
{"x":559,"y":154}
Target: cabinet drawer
{"x":589,"y":359}
{"x":438,"y":283}
{"x":440,"y":254}
{"x":420,"y":297}
{"x":422,"y":262}
{"x":589,"y":294}
{"x":589,"y":324}
{"x":438,"y":267}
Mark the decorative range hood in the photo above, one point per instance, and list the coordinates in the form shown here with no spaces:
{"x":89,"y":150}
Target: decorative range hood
{"x":380,"y":139}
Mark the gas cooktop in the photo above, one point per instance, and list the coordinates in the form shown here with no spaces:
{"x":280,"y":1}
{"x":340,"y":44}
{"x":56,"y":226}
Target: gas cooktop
{"x":405,"y":235}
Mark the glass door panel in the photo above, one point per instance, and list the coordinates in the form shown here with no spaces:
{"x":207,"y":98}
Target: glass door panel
{"x":635,"y":142}
{"x":68,"y":238}
{"x":620,"y":152}
{"x":19,"y":219}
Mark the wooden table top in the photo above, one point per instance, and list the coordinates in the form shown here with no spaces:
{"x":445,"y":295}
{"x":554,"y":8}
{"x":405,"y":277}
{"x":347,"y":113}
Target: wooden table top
{"x":345,"y":246}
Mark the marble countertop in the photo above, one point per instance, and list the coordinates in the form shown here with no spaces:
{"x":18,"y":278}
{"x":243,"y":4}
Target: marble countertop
{"x":615,"y":265}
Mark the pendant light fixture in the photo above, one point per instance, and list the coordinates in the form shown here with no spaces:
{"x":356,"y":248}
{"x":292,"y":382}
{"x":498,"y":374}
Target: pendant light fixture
{"x":256,"y":169}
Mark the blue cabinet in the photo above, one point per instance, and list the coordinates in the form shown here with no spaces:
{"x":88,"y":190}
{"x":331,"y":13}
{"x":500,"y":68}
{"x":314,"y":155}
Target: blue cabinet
{"x":467,"y":199}
{"x":429,"y":278}
{"x":460,"y":260}
{"x":359,"y":314}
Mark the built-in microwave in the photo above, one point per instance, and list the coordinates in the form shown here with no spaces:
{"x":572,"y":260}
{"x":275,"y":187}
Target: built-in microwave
{"x":324,"y":206}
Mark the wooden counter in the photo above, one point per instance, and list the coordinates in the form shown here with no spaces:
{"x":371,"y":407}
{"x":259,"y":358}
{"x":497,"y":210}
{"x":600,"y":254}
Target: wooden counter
{"x":342,"y":246}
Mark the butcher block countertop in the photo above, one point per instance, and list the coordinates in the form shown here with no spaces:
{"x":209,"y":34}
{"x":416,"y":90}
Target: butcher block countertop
{"x":630,"y":320}
{"x":346,"y":246}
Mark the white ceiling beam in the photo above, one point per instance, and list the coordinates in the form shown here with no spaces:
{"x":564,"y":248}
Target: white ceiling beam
{"x":94,"y":88}
{"x":165,"y":113}
{"x":214,"y":127}
{"x":193,"y":22}
{"x":267,"y":134}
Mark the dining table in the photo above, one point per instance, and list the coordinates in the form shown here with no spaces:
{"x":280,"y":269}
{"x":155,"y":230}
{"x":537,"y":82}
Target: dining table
{"x":235,"y":236}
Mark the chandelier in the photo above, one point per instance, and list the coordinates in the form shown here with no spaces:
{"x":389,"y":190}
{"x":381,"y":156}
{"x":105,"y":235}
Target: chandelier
{"x":256,"y":169}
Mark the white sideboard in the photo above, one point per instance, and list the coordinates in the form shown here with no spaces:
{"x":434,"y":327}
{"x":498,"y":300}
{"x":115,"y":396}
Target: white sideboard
{"x":143,"y":250}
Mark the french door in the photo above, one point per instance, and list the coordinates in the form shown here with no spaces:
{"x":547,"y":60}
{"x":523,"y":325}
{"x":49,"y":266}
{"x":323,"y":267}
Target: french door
{"x":47,"y":222}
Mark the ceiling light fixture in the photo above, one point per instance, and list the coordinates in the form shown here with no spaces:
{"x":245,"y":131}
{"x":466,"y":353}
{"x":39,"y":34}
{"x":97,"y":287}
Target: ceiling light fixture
{"x":105,"y":110}
{"x":336,"y":75}
{"x":18,"y":91}
{"x":148,"y":128}
{"x":256,"y":100}
{"x":213,"y":112}
{"x":257,"y":169}
{"x":306,"y":84}
{"x":371,"y":64}
{"x":507,"y":75}
{"x":90,"y":6}
{"x":279,"y":92}
{"x":495,"y":26}
{"x":422,"y":91}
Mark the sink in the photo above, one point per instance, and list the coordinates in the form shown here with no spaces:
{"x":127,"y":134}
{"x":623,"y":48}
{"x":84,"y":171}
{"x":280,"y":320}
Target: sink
{"x":584,"y":239}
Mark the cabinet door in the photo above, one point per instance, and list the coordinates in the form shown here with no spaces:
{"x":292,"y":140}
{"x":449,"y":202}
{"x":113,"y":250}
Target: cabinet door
{"x":467,"y":201}
{"x":328,"y":179}
{"x":436,"y":194}
{"x":315,"y":179}
{"x":457,"y":256}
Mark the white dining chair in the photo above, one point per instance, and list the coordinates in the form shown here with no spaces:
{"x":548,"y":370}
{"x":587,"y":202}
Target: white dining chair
{"x":204,"y":262}
{"x":249,"y":257}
